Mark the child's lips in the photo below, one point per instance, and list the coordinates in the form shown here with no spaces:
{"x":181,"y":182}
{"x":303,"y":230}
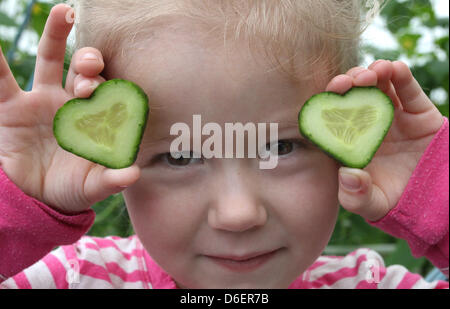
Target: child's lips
{"x":245,"y":263}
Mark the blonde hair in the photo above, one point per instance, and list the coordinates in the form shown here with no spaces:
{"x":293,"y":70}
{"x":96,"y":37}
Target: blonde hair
{"x":318,"y":34}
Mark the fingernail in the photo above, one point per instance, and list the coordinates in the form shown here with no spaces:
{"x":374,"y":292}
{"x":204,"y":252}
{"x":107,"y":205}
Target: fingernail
{"x":86,"y":84}
{"x":70,"y":16}
{"x":89,"y":56}
{"x":350,"y":182}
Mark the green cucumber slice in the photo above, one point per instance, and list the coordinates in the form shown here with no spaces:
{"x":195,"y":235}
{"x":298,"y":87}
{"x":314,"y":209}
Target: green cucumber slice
{"x":106,"y":128}
{"x":350,"y":127}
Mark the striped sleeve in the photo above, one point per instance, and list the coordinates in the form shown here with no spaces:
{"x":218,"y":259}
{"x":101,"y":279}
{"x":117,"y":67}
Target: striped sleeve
{"x":90,"y":263}
{"x":362,"y":269}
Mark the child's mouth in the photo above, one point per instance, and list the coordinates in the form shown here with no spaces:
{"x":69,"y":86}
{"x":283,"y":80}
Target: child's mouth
{"x":244,"y":263}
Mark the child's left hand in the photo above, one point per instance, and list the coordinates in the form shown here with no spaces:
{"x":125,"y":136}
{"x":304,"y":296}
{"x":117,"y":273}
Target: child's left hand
{"x":379,"y":186}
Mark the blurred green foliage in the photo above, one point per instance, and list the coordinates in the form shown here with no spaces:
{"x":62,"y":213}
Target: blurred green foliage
{"x":409,"y":22}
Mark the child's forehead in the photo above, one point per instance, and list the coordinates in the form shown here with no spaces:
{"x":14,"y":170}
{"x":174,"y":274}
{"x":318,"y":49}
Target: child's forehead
{"x":182,"y":70}
{"x":179,"y":48}
{"x":181,"y":54}
{"x":185,"y":77}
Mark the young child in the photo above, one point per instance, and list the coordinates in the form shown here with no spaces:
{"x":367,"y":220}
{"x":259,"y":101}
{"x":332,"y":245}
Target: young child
{"x":215,"y":223}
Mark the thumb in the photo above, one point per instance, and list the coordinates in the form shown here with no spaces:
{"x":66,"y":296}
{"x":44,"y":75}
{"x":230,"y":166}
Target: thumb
{"x":103,"y":182}
{"x":359,"y":195}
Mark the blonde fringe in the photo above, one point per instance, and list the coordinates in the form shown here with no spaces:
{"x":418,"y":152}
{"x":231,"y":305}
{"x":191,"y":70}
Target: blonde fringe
{"x":295,"y":35}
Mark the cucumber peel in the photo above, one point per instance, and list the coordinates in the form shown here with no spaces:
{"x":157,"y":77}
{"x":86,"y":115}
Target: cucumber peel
{"x":106,"y":128}
{"x":350,"y":127}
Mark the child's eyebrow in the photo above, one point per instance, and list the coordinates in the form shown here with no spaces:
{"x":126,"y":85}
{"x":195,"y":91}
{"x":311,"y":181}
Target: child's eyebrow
{"x":287,"y":124}
{"x":282,"y":125}
{"x":147,"y":142}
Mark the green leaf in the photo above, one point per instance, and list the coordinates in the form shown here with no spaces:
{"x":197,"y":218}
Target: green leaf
{"x":439,"y":69}
{"x":39,"y":16}
{"x":378,"y":53}
{"x":5,"y":20}
{"x":444,"y":109}
{"x":409,"y":42}
{"x":443,"y":43}
{"x":402,"y":256}
{"x":5,"y":45}
{"x":352,"y":229}
{"x":111,"y":218}
{"x":443,"y":22}
{"x":398,"y":15}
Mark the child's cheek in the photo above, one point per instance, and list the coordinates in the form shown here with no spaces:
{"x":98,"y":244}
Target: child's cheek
{"x":158,"y":212}
{"x":307,"y":203}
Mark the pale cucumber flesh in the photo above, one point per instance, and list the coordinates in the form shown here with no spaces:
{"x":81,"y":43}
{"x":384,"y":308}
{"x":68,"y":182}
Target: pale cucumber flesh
{"x":349,"y":124}
{"x":106,"y":128}
{"x":350,"y":127}
{"x":102,"y":127}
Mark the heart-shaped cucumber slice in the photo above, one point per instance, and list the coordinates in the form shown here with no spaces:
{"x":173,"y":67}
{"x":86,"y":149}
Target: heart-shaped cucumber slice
{"x":106,"y":128}
{"x":349,"y":127}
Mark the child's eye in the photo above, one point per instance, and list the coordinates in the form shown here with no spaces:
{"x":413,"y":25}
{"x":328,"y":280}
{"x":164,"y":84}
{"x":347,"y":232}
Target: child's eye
{"x":284,"y":147}
{"x":180,"y":159}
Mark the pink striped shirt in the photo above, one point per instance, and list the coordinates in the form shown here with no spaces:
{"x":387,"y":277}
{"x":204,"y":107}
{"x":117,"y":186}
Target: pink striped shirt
{"x":30,"y":230}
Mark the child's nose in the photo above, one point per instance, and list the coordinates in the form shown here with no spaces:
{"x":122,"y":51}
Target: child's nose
{"x":236,"y":208}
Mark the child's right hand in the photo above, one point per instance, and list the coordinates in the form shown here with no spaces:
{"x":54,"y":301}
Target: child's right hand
{"x":29,"y":153}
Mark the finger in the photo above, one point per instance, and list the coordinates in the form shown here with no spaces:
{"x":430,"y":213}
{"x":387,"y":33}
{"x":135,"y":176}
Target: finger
{"x":84,"y":86}
{"x":363,"y":78}
{"x":103,"y":182}
{"x":88,"y":62}
{"x":354,"y":71}
{"x":358,"y":195}
{"x":52,"y":47}
{"x":393,"y":95}
{"x":384,"y":70}
{"x":8,"y":85}
{"x":411,"y":95}
{"x":340,"y":84}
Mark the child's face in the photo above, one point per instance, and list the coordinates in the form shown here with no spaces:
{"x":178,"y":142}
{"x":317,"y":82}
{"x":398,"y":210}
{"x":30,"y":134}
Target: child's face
{"x":187,"y":212}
